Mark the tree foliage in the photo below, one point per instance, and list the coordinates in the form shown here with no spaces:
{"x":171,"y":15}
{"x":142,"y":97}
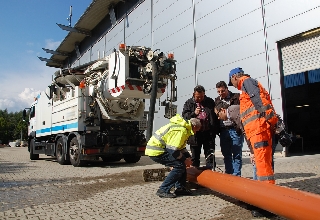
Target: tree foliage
{"x":12,"y":126}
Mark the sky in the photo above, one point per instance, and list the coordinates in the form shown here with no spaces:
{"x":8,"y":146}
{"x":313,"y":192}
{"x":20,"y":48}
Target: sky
{"x":27,"y":26}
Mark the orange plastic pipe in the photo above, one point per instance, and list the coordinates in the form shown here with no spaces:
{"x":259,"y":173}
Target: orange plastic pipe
{"x":286,"y":202}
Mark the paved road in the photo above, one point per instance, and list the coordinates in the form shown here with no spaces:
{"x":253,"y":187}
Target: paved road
{"x":43,"y":189}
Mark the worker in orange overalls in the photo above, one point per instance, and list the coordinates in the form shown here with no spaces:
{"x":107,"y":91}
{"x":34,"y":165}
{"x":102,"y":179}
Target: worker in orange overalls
{"x":258,"y":118}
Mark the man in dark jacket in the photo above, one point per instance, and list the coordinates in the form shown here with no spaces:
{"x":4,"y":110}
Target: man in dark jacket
{"x":202,"y":107}
{"x":231,"y":141}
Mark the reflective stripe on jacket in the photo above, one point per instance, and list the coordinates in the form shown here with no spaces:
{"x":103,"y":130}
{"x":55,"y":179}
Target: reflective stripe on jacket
{"x":256,"y":111}
{"x":172,"y":136}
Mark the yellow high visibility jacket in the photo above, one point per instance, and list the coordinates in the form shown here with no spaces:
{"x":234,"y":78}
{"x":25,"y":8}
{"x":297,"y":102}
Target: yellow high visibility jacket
{"x":171,"y":137}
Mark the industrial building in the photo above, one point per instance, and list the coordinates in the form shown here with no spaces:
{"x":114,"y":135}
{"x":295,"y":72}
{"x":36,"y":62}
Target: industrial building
{"x":277,"y":42}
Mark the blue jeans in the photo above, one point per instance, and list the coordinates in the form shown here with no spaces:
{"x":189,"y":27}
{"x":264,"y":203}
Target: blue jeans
{"x":177,"y":177}
{"x":231,"y":148}
{"x":274,"y":145}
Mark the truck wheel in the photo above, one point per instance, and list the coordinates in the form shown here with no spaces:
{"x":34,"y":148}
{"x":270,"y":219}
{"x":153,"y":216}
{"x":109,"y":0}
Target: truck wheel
{"x":32,"y":155}
{"x":131,"y":158}
{"x":111,"y":159}
{"x":60,"y":154}
{"x":75,"y":153}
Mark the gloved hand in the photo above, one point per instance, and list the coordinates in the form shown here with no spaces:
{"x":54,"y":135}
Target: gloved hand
{"x":284,"y":139}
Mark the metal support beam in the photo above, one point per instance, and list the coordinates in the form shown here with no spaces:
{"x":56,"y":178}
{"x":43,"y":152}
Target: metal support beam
{"x":73,"y":29}
{"x":77,"y":49}
{"x":112,"y":15}
{"x":56,"y":52}
{"x":50,"y":61}
{"x":286,"y":202}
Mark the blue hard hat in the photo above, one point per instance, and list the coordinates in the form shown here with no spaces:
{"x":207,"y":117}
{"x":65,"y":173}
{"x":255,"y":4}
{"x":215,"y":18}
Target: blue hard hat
{"x":234,"y":71}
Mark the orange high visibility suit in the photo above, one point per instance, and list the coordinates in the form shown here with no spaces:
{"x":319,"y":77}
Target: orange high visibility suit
{"x":258,"y":118}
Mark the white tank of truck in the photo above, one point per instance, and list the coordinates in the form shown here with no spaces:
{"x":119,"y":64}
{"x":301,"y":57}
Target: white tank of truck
{"x":97,"y":110}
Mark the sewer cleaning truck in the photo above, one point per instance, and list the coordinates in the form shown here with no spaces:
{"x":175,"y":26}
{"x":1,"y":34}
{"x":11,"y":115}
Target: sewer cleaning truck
{"x":98,"y":110}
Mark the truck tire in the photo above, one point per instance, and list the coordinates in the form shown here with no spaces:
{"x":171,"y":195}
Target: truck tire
{"x":131,"y":158}
{"x":32,"y":155}
{"x":60,"y":154}
{"x":75,"y":153}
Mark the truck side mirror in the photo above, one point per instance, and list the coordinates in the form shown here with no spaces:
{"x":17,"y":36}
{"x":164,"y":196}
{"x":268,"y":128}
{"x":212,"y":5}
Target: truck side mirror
{"x":52,"y":90}
{"x":24,"y":114}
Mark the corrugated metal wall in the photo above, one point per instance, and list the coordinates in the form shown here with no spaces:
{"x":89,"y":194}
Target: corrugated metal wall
{"x":230,"y":33}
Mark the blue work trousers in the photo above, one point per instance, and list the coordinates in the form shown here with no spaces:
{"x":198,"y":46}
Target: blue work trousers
{"x":231,"y":148}
{"x":177,"y":177}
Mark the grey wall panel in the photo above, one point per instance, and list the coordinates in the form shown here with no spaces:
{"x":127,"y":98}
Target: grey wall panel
{"x":219,"y":66}
{"x":176,"y":33}
{"x":231,"y":54}
{"x":273,"y":59}
{"x":186,"y":78}
{"x":277,"y":104}
{"x":185,"y":60}
{"x":215,"y":14}
{"x":209,"y":84}
{"x":229,"y":34}
{"x":97,"y":50}
{"x":173,"y":28}
{"x":285,"y":10}
{"x":114,"y":38}
{"x":216,"y":36}
{"x":185,"y":67}
{"x":138,"y":26}
{"x":269,"y":1}
{"x":230,"y":43}
{"x":76,"y":63}
{"x":85,"y":58}
{"x":185,"y":84}
{"x":173,"y":33}
{"x":274,"y":74}
{"x":291,"y":21}
{"x":167,"y":9}
{"x":276,"y":89}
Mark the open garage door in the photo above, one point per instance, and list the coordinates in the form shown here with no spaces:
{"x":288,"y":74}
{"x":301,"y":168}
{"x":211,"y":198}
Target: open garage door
{"x":300,"y":61}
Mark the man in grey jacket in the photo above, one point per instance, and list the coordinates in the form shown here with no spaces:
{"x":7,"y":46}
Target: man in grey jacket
{"x":232,"y":113}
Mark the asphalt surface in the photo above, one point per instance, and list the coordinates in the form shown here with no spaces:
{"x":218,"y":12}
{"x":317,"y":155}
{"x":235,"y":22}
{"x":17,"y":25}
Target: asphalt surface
{"x":43,"y":189}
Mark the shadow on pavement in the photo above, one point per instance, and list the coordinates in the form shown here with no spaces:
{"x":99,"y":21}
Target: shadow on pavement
{"x":8,"y":167}
{"x":292,"y":175}
{"x":307,"y":185}
{"x":144,"y":161}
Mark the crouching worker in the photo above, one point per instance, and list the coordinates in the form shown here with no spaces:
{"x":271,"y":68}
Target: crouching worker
{"x":168,"y":147}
